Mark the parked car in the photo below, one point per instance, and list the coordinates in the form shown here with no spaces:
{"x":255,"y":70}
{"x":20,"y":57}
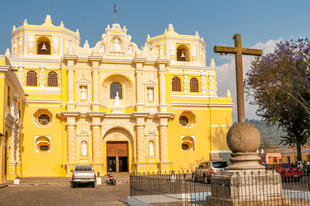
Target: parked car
{"x":206,"y":169}
{"x":287,"y":171}
{"x":83,"y":174}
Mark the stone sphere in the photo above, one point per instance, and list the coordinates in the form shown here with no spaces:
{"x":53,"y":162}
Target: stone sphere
{"x":243,"y":137}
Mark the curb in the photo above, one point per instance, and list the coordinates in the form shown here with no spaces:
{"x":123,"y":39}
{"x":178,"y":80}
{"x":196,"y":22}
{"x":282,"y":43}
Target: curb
{"x":3,"y":185}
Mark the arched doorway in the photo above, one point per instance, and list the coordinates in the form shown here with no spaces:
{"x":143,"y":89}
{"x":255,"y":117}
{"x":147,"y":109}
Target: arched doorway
{"x":118,"y":143}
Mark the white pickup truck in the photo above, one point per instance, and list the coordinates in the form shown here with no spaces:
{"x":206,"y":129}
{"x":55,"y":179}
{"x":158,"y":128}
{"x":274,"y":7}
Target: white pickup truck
{"x":83,"y":174}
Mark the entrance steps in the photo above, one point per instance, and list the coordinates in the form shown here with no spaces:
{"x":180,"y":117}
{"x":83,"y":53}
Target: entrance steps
{"x":121,"y":178}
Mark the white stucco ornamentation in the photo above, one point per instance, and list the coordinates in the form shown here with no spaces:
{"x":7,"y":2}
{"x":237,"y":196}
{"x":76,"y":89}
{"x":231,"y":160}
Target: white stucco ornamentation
{"x":101,"y":50}
{"x":186,"y":83}
{"x":151,"y":148}
{"x":30,"y":41}
{"x":84,"y":148}
{"x":21,"y":75}
{"x":130,"y":49}
{"x":203,"y":84}
{"x":83,"y":94}
{"x":42,"y":77}
{"x":150,"y":95}
{"x":116,"y":45}
{"x":55,"y":44}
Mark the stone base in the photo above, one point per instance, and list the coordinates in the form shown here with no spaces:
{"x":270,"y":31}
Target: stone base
{"x":246,"y":187}
{"x":215,"y":201}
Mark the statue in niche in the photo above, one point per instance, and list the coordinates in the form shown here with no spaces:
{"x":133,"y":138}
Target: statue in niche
{"x":150,"y":95}
{"x":151,"y":148}
{"x":101,"y":49}
{"x":83,"y":92}
{"x":84,"y":148}
{"x":116,"y":45}
{"x":116,"y":100}
{"x":130,"y":49}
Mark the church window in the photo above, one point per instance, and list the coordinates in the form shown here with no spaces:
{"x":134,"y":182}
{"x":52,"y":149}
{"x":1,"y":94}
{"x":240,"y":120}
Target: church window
{"x":183,"y":120}
{"x":52,"y":79}
{"x":44,"y":119}
{"x":43,"y":46}
{"x":182,"y":53}
{"x":187,"y":119}
{"x":31,"y":78}
{"x":187,"y":143}
{"x":194,"y":85}
{"x":176,"y":84}
{"x":42,"y":144}
{"x":116,"y":88}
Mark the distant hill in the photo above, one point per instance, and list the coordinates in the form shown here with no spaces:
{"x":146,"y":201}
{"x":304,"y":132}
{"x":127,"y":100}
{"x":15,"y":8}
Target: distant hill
{"x":270,"y":135}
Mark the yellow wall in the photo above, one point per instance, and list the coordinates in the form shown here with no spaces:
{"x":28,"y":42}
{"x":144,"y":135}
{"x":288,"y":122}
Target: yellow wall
{"x":43,"y":163}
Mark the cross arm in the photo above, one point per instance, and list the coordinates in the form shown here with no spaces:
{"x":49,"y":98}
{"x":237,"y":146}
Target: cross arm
{"x":254,"y":52}
{"x":225,"y":49}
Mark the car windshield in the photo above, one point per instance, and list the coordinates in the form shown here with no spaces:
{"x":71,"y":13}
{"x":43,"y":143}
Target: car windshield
{"x":219,"y":164}
{"x":83,"y":168}
{"x":287,"y":165}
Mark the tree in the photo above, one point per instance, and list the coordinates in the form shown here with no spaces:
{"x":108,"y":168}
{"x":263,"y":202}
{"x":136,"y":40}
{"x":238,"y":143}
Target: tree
{"x":279,"y":83}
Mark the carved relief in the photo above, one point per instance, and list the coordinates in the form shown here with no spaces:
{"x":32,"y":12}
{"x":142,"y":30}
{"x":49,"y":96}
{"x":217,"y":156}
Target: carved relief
{"x":83,"y":92}
{"x":30,"y":42}
{"x":21,"y":75}
{"x":55,"y":44}
{"x":186,"y":83}
{"x":42,"y":77}
{"x":203,"y":84}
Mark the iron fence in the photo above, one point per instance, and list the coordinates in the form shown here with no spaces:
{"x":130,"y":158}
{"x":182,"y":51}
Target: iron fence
{"x":262,"y":188}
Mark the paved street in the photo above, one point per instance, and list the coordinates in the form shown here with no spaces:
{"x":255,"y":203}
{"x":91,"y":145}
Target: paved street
{"x":54,"y":195}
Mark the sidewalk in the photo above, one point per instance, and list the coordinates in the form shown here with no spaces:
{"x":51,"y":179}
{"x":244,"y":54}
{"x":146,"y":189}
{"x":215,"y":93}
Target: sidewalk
{"x":121,"y":178}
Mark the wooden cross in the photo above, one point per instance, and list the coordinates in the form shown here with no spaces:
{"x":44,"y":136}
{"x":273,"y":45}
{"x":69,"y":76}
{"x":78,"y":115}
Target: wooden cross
{"x":238,"y":51}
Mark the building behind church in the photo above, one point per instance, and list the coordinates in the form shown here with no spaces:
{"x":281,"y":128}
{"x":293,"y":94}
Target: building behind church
{"x":114,"y":106}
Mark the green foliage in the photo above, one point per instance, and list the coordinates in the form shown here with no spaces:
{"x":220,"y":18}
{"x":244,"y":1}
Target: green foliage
{"x":279,"y":83}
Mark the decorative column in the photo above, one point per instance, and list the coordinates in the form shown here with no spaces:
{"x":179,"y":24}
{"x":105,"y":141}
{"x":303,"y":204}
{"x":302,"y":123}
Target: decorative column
{"x":95,"y":67}
{"x":186,"y":83}
{"x":96,"y":144}
{"x":140,"y":144}
{"x":203,"y":83}
{"x":70,"y":68}
{"x":21,"y":75}
{"x":71,"y":143}
{"x":139,"y":87}
{"x":17,"y":150}
{"x":162,"y":84}
{"x":163,"y":138}
{"x":42,"y":76}
{"x":11,"y":163}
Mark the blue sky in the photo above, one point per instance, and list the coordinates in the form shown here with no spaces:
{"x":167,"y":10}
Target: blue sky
{"x":261,"y":23}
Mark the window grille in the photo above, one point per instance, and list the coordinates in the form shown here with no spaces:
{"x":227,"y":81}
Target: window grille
{"x":31,"y":78}
{"x":176,"y":84}
{"x":52,"y":79}
{"x":194,"y":86}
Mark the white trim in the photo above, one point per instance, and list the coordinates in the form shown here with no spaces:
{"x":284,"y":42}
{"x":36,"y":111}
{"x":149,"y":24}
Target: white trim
{"x":36,"y":143}
{"x":45,"y":89}
{"x":217,"y":125}
{"x":221,"y":152}
{"x":194,"y":142}
{"x":193,"y":96}
{"x":185,"y":104}
{"x":45,"y":101}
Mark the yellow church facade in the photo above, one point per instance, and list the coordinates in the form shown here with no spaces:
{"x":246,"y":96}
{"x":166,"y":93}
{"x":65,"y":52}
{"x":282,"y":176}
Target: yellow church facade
{"x":116,"y":106}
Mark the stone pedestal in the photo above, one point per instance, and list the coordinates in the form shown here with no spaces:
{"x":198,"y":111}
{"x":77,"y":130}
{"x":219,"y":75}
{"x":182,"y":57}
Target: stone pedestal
{"x":240,"y":187}
{"x":245,"y":181}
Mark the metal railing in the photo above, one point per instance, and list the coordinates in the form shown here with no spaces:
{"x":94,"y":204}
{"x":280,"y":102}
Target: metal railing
{"x":247,"y":188}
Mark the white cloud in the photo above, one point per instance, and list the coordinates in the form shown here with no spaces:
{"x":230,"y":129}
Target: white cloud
{"x":226,"y":78}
